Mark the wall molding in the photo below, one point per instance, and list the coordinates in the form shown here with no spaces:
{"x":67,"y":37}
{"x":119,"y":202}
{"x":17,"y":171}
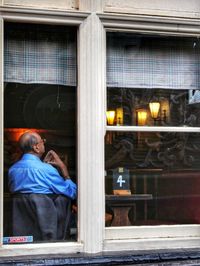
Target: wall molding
{"x":151,"y":24}
{"x":42,"y":15}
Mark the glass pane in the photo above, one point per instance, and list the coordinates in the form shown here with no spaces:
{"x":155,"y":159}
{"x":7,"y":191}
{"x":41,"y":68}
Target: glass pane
{"x":50,"y":111}
{"x":152,"y":80}
{"x":156,"y":107}
{"x":152,"y":178}
{"x":39,"y":120}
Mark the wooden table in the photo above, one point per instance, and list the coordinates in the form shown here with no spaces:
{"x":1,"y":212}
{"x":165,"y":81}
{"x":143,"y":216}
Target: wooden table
{"x":121,"y":205}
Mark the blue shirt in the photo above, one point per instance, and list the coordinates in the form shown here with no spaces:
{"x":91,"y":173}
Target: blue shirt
{"x":31,"y":175}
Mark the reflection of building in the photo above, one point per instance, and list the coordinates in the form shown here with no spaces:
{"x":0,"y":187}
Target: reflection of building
{"x":163,"y":141}
{"x":194,"y":96}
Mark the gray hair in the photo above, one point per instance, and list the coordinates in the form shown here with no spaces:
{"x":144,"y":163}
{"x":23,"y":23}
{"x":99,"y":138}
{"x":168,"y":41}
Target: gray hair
{"x":26,"y":142}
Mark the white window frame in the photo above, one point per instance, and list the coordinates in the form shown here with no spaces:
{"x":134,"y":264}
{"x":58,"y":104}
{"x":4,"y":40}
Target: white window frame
{"x":93,"y":236}
{"x":53,"y":18}
{"x":163,"y":236}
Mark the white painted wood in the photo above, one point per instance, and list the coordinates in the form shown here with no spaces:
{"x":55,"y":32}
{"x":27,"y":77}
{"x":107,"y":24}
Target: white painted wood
{"x":91,"y":5}
{"x":146,"y":232}
{"x":1,"y":129}
{"x":151,"y":24}
{"x":151,"y":244}
{"x":178,"y":8}
{"x":42,"y":16}
{"x":152,"y":129}
{"x":40,"y":249}
{"x":48,"y":4}
{"x":91,"y":124}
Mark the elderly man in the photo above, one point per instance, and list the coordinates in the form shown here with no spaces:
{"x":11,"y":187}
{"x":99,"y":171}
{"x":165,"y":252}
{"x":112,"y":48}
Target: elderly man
{"x":42,"y":192}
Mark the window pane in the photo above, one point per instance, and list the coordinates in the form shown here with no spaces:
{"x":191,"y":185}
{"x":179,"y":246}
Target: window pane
{"x":152,"y":80}
{"x":51,"y":112}
{"x":152,"y":178}
{"x":40,"y":190}
{"x":143,"y":107}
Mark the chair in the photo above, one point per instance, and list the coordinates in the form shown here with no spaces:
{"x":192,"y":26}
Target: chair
{"x":45,"y":217}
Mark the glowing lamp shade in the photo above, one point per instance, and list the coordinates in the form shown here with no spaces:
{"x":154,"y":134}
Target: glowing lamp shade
{"x":142,"y":117}
{"x":119,"y":116}
{"x":110,"y":117}
{"x":154,"y":109}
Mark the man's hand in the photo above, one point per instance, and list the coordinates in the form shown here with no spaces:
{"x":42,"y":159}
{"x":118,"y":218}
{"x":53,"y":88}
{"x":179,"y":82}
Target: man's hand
{"x":53,"y":159}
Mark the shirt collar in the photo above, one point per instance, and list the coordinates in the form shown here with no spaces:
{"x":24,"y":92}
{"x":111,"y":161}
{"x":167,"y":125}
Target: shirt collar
{"x":30,"y":157}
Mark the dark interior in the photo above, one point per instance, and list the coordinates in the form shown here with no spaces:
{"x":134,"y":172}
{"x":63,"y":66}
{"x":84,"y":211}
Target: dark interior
{"x":49,"y":110}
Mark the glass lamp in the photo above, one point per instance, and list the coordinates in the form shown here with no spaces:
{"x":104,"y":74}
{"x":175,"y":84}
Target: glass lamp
{"x":141,"y":117}
{"x":154,"y":109}
{"x":110,"y":117}
{"x":119,"y":116}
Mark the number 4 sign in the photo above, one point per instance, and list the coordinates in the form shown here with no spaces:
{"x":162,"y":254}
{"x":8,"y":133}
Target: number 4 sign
{"x":121,"y":179}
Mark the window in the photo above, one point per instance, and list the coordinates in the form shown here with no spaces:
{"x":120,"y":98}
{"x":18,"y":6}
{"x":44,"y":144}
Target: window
{"x":40,"y":95}
{"x":152,"y":140}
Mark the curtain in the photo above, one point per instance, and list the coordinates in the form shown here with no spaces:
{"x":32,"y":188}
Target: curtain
{"x":40,"y":54}
{"x":152,"y":62}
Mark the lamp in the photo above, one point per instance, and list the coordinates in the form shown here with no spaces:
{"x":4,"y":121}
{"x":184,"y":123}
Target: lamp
{"x":141,"y":117}
{"x":119,"y":116}
{"x":110,"y":121}
{"x":110,"y":117}
{"x":154,"y":110}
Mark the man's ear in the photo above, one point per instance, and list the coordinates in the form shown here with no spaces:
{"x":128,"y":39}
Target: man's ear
{"x":35,"y":148}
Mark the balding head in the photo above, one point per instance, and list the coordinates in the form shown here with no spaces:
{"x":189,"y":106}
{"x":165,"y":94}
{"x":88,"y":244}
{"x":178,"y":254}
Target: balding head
{"x":28,"y":140}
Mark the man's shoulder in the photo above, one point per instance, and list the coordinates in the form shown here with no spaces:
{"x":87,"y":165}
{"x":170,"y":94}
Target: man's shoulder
{"x":24,"y":163}
{"x":34,"y":165}
{"x":16,"y":164}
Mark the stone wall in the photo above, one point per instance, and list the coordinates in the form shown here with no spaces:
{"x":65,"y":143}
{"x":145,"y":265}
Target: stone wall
{"x":178,"y":8}
{"x":173,"y":8}
{"x":44,"y":4}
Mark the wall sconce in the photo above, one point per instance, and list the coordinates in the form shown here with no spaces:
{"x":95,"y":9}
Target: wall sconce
{"x":141,"y":117}
{"x":110,"y":117}
{"x":119,"y":116}
{"x":154,"y":110}
{"x":110,"y":121}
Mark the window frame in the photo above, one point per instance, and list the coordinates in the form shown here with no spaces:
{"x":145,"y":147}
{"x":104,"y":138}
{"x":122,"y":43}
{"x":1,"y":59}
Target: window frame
{"x":90,"y":134}
{"x":22,"y":15}
{"x":164,"y":236}
{"x":95,"y":237}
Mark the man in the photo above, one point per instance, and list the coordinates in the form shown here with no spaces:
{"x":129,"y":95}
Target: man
{"x":42,"y":191}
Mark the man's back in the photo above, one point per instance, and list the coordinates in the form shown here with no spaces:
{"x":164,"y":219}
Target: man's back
{"x":31,"y":175}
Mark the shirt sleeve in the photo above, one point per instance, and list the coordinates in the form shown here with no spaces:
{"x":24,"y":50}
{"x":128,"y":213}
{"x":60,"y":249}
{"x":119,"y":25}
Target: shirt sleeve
{"x":57,"y":184}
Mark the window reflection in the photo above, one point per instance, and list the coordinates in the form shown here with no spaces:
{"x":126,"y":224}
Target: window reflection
{"x":152,"y":177}
{"x":163,"y":171}
{"x":144,"y":107}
